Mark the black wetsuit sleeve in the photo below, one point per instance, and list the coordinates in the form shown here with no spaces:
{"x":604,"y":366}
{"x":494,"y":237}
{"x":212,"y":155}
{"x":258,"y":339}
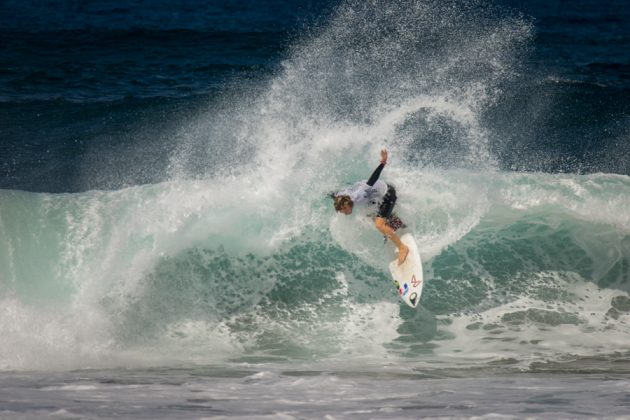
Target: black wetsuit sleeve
{"x":375,"y":175}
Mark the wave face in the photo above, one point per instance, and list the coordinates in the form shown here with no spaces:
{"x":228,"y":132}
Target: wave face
{"x":238,"y":256}
{"x":522,"y":266}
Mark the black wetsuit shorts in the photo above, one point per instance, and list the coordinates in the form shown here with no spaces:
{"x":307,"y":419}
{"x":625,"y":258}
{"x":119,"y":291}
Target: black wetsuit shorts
{"x":386,"y":207}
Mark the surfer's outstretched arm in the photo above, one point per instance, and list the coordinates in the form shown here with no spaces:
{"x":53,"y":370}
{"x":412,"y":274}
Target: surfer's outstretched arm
{"x":377,"y":172}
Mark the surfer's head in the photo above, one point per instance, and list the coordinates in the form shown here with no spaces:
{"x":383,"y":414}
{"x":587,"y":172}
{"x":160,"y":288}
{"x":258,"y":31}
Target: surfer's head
{"x":343,"y":204}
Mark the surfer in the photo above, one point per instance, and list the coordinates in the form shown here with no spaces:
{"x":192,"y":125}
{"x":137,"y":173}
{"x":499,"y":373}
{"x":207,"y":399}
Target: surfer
{"x":377,"y":193}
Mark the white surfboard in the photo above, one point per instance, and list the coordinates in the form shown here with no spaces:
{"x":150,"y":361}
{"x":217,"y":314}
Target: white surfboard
{"x":408,"y":276}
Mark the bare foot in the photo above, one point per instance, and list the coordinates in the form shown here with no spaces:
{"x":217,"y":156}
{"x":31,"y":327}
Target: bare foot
{"x":402,"y":254}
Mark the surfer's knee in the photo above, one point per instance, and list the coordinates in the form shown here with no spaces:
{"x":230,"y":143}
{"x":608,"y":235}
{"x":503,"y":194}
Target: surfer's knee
{"x":379,"y":222}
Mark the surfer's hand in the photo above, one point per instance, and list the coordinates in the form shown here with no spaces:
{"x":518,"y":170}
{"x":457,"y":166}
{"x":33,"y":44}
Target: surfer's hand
{"x":383,"y":156}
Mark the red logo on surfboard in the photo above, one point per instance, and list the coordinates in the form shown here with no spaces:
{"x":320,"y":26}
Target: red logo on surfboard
{"x":414,"y":281}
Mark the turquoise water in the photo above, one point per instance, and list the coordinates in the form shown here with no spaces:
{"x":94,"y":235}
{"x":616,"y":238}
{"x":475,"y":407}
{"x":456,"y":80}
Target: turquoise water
{"x":525,"y":268}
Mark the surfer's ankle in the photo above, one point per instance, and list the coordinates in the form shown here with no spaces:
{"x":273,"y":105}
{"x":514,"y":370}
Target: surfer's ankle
{"x":403,"y":252}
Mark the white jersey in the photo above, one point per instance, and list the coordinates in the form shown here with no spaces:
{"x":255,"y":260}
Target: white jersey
{"x":363,"y":194}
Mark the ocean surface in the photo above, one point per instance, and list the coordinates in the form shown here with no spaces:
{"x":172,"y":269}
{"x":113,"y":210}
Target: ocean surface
{"x":168,"y":249}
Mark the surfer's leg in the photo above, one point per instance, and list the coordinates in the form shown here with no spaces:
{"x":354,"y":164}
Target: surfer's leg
{"x":385,"y":211}
{"x":385,"y":229}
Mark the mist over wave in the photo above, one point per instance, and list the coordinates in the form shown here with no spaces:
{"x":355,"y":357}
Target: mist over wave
{"x":416,"y":75}
{"x":239,"y":256}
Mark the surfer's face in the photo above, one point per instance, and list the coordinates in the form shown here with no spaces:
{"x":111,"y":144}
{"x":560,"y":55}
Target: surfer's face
{"x":347,"y":209}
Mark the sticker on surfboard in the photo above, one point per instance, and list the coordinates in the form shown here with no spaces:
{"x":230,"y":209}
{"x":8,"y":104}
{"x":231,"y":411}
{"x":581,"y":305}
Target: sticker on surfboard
{"x":408,"y":276}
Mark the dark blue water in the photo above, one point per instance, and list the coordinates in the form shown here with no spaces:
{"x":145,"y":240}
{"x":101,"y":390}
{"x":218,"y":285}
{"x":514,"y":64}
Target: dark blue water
{"x":76,"y":77}
{"x":573,"y":114}
{"x":88,"y":89}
